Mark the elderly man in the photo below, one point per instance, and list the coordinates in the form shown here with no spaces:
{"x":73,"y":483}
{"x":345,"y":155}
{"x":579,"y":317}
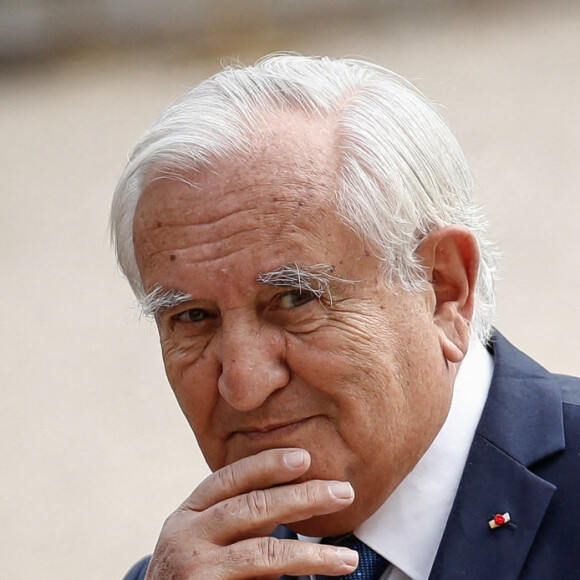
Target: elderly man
{"x":302,"y":232}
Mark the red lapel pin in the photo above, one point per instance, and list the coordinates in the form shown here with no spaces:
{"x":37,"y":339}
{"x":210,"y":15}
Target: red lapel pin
{"x":499,"y":520}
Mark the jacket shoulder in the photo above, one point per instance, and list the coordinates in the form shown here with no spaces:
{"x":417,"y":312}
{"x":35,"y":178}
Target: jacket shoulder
{"x":138,"y":571}
{"x":570,"y":387}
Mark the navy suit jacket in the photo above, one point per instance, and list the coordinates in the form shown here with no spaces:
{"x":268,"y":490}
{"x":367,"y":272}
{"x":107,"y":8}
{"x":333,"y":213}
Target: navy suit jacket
{"x":525,"y":460}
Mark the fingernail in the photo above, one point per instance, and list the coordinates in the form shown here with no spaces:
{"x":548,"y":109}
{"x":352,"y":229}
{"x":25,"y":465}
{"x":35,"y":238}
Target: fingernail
{"x":349,"y":557}
{"x":295,"y":458}
{"x":341,"y":490}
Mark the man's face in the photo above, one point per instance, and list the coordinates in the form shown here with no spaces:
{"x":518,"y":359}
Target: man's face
{"x":356,"y":377}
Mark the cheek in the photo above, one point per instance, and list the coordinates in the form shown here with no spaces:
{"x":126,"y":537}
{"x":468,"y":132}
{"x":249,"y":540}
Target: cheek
{"x":390,"y":393}
{"x":361,"y":385}
{"x":357,"y":365}
{"x":194,"y":384}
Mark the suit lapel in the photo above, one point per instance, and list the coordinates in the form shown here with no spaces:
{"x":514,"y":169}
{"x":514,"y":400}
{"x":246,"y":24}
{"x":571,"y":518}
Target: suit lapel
{"x":521,"y":424}
{"x":492,"y":483}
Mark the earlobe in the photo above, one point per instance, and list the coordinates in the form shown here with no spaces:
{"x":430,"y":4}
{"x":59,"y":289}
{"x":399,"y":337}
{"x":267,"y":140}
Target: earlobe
{"x":451,"y":258}
{"x":453,"y":335}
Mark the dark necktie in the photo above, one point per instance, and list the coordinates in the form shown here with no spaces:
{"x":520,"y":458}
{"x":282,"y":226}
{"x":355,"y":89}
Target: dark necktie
{"x":370,"y":566}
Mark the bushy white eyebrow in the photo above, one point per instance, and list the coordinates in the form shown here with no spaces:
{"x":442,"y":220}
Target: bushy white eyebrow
{"x":315,"y":279}
{"x":160,"y":298}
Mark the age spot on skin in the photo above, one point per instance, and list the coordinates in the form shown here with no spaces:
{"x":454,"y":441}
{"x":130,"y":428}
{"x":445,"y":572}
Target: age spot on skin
{"x":172,"y":257}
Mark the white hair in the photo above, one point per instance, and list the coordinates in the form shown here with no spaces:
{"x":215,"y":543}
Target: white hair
{"x":402,"y":172}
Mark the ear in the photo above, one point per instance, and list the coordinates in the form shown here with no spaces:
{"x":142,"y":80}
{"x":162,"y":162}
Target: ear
{"x":451,"y":259}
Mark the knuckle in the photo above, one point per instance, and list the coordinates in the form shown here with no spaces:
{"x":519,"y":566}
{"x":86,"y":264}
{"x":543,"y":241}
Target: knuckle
{"x":250,"y":558}
{"x":257,"y":503}
{"x":184,"y":524}
{"x":326,"y":554}
{"x":270,"y":552}
{"x":226,"y":477}
{"x":173,"y":524}
{"x":311,"y":493}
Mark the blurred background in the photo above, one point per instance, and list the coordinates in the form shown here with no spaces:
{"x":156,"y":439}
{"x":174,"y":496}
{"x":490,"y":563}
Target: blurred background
{"x":94,"y":450}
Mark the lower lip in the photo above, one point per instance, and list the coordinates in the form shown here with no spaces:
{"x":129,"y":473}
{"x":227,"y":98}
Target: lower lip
{"x":276,"y":433}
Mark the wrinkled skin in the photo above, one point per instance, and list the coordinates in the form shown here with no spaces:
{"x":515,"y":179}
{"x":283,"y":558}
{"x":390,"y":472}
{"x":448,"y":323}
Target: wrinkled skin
{"x":360,"y":379}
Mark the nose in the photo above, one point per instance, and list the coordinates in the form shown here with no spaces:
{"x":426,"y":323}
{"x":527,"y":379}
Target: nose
{"x":253,"y":362}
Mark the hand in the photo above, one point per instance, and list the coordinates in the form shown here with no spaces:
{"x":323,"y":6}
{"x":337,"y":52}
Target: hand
{"x":221,"y":531}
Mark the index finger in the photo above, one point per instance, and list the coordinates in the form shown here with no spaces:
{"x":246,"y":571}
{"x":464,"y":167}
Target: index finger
{"x":263,"y":470}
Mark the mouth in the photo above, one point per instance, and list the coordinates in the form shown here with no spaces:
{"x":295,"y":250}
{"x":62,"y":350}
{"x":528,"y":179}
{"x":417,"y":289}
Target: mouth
{"x":272,"y":432}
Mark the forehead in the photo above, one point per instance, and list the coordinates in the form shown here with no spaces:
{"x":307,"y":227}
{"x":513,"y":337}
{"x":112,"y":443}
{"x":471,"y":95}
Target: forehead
{"x":280,"y":195}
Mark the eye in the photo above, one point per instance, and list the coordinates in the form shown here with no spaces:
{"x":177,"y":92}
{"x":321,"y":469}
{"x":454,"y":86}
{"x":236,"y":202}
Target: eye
{"x":296,"y":298}
{"x":193,"y":315}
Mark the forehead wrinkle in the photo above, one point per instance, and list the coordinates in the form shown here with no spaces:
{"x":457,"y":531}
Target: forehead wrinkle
{"x":209,"y":260}
{"x":190,"y":242}
{"x":238,"y":221}
{"x":291,"y":189}
{"x":209,"y":221}
{"x":207,"y":242}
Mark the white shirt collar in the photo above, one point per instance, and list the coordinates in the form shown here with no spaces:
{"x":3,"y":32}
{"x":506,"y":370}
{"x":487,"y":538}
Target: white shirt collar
{"x":407,"y":529}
